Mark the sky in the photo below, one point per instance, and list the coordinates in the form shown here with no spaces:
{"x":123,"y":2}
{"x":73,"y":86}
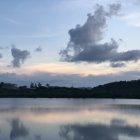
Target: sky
{"x":69,"y":42}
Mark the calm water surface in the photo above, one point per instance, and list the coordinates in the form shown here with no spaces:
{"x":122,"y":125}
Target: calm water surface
{"x":69,"y":119}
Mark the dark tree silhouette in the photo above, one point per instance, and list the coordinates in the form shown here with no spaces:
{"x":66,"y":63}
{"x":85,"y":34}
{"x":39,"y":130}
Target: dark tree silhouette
{"x":122,"y":89}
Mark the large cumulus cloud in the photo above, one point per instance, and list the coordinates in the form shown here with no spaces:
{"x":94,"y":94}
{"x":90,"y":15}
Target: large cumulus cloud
{"x":19,"y":56}
{"x":86,"y":41}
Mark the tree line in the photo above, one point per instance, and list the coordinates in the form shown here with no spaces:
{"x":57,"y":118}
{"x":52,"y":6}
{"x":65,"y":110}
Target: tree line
{"x":121,"y":89}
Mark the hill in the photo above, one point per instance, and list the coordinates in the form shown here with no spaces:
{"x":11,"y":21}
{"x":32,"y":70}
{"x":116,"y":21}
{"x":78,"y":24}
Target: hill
{"x":121,"y":89}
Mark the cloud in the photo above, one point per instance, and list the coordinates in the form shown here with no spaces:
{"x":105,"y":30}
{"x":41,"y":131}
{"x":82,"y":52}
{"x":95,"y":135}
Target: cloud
{"x":132,"y":19}
{"x":19,"y":56}
{"x":98,"y":131}
{"x":118,"y":122}
{"x":0,"y":55}
{"x":117,"y":65}
{"x":38,"y":49}
{"x":68,"y":80}
{"x":2,"y":48}
{"x":85,"y":41}
{"x":18,"y":129}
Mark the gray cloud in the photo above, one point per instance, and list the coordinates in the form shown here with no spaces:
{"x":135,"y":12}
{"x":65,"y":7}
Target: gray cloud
{"x":118,"y":122}
{"x":85,"y":41}
{"x":18,"y":129}
{"x":19,"y":56}
{"x":0,"y":55}
{"x":117,"y":65}
{"x":38,"y":49}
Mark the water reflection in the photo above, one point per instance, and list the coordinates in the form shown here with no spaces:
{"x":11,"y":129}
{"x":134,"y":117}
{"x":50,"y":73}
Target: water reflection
{"x":38,"y":137}
{"x":18,"y":129}
{"x":72,"y":120}
{"x":99,"y":131}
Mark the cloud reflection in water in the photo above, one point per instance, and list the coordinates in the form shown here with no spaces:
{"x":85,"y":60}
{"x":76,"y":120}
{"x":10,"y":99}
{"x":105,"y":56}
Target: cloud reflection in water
{"x":99,"y":131}
{"x":70,"y":120}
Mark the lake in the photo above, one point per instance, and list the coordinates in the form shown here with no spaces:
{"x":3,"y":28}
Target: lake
{"x":69,"y":119}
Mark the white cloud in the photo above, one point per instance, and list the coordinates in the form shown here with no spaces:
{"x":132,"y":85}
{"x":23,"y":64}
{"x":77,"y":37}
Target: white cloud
{"x":132,"y":19}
